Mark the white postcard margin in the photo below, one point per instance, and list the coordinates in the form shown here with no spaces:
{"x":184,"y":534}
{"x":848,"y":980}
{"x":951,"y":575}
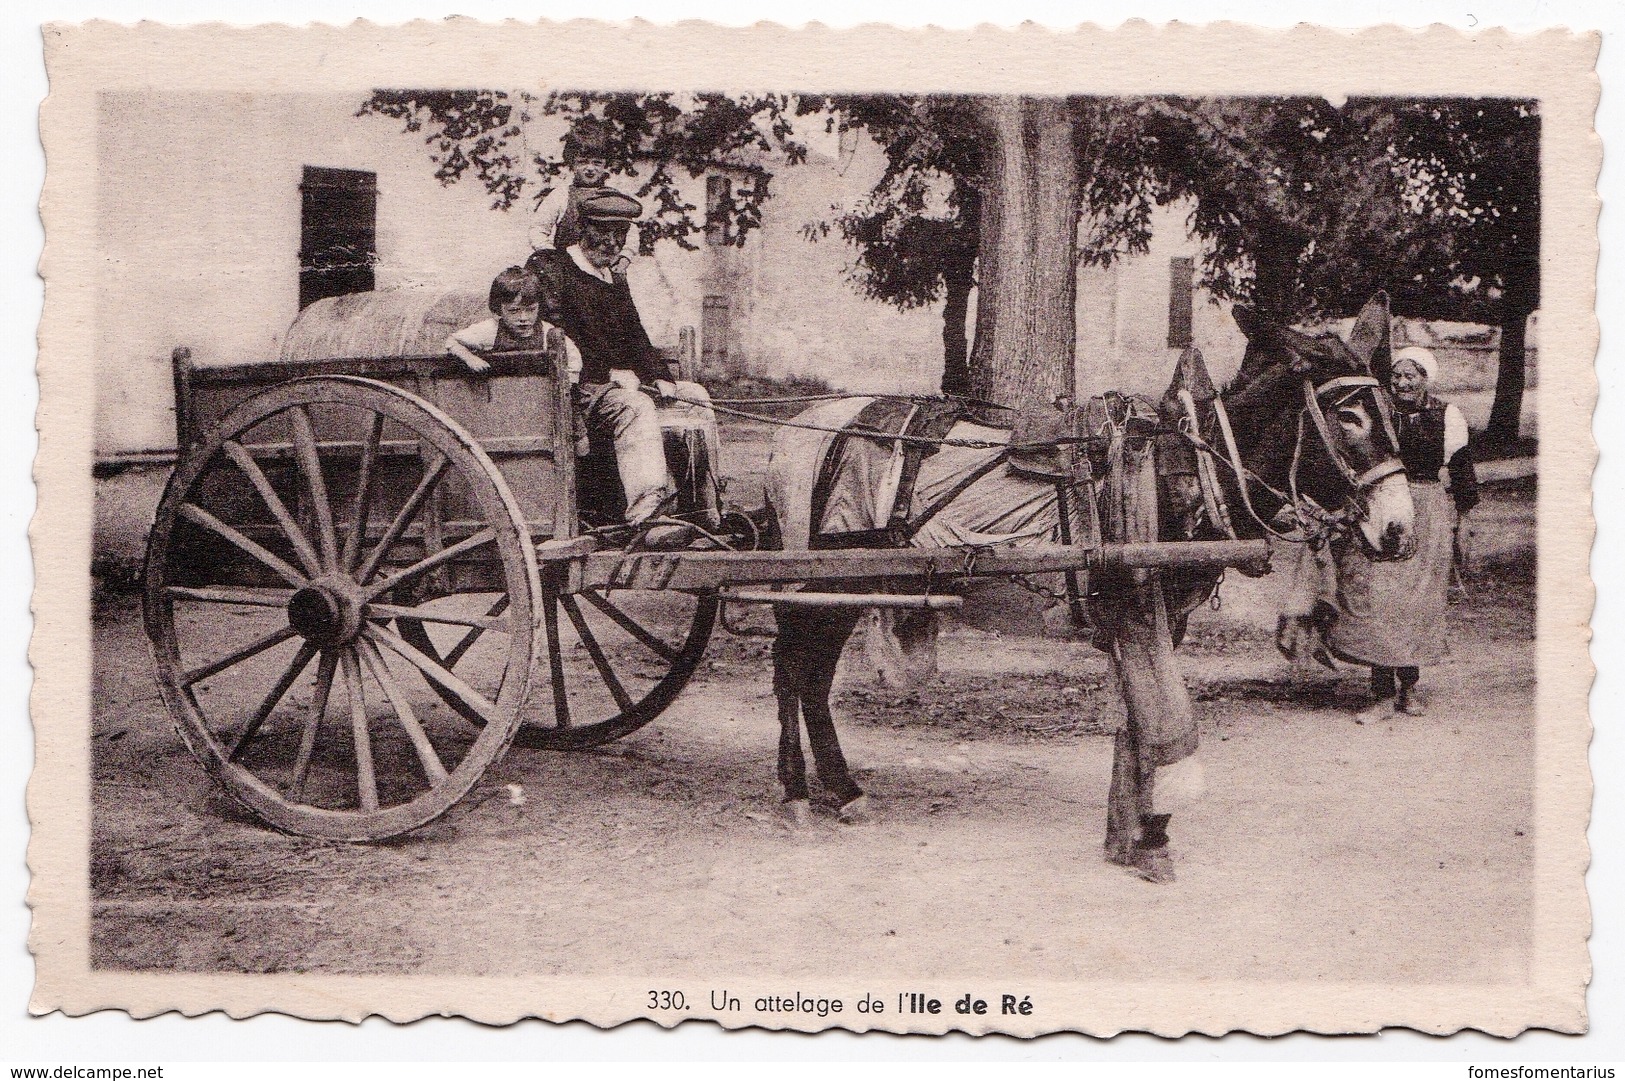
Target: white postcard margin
{"x":1556,"y":67}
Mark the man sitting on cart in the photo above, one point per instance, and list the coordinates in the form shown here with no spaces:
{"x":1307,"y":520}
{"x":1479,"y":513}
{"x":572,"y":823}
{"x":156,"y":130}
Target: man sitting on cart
{"x":594,"y":307}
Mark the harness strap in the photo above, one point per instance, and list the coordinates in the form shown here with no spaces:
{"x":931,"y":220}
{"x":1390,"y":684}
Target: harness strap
{"x":1344,"y":382}
{"x":959,"y":489}
{"x":932,"y":420}
{"x":1380,"y":471}
{"x":1074,"y":592}
{"x":1207,"y":478}
{"x":878,"y":419}
{"x":915,"y":426}
{"x":1311,"y":406}
{"x":1243,"y":474}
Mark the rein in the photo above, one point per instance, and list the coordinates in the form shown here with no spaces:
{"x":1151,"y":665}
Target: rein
{"x":1304,"y":506}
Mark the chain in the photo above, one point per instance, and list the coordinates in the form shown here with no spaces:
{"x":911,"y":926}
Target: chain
{"x":1038,"y":589}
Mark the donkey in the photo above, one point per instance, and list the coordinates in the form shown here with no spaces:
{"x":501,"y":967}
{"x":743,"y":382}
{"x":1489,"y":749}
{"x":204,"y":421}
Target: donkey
{"x":1309,"y":444}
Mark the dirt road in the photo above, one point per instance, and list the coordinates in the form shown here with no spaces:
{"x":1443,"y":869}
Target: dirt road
{"x":1324,"y":850}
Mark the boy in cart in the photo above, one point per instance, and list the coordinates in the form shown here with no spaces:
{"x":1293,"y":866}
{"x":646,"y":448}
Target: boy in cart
{"x":516,"y":323}
{"x":609,"y":400}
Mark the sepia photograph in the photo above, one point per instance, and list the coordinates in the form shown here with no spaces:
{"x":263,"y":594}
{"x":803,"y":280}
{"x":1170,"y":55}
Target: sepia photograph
{"x":919,"y":559}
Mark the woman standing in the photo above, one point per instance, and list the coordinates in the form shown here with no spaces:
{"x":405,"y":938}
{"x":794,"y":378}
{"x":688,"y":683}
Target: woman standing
{"x":1391,"y":615}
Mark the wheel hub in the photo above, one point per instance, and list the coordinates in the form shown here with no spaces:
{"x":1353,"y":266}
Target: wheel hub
{"x":324,"y":614}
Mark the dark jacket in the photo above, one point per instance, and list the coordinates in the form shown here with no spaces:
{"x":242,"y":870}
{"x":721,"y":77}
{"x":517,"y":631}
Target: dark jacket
{"x":1421,"y":448}
{"x":599,"y":316}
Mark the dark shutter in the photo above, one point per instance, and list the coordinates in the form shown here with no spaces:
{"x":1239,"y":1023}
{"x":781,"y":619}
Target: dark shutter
{"x":338,"y":233}
{"x":1181,"y":283}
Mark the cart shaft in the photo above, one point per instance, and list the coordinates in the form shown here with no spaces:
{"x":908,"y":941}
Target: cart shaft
{"x":713,"y":570}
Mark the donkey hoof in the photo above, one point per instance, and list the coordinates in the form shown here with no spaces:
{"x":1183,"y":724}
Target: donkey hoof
{"x":1377,"y":713}
{"x":1153,"y":864}
{"x":796,"y":812}
{"x":854,"y":810}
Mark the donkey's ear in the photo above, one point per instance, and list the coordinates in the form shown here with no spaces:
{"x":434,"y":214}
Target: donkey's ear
{"x":1191,"y":374}
{"x":1372,"y":336}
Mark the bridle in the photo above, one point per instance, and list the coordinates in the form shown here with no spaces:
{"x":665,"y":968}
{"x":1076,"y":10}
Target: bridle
{"x":1336,"y":392}
{"x":1315,"y":523}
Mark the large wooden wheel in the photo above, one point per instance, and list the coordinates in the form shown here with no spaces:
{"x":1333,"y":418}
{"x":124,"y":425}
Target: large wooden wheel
{"x":614,"y":658}
{"x":271,"y":574}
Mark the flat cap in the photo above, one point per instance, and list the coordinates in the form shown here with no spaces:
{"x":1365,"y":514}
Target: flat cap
{"x":610,"y":205}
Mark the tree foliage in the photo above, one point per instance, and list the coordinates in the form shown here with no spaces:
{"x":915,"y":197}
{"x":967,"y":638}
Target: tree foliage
{"x":1309,"y":208}
{"x":1475,"y":167}
{"x":1304,"y":207}
{"x":655,"y":140}
{"x":921,"y":214}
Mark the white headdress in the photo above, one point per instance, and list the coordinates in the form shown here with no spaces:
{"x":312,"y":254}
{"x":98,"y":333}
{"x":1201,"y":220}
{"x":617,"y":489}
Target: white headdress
{"x":1425,"y":361}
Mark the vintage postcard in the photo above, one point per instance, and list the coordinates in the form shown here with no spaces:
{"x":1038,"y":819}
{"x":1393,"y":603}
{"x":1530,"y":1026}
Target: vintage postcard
{"x":998,"y":531}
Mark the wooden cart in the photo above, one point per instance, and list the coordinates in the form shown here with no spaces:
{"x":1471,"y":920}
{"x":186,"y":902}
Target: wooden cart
{"x":409,"y":531}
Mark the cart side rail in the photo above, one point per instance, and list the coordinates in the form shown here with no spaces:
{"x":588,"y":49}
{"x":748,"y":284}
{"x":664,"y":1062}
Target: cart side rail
{"x":519,"y":411}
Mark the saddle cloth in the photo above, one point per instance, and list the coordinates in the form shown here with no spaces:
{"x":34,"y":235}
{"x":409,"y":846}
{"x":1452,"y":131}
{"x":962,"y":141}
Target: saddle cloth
{"x":886,"y":469}
{"x":958,"y":496}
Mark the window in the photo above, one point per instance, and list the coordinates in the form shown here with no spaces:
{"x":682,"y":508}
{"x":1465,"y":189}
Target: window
{"x":338,"y":233}
{"x":1181,"y":282}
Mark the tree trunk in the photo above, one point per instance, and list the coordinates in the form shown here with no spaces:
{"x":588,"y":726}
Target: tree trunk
{"x":958,"y":277}
{"x":1026,"y":307}
{"x":1516,"y":306}
{"x":1275,"y":273}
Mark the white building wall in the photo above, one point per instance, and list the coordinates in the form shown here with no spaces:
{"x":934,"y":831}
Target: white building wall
{"x":1122,"y":323}
{"x":199,"y":221}
{"x":198,"y":226}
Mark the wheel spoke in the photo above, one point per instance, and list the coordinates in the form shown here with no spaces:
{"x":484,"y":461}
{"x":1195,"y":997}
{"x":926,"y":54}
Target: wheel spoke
{"x":605,"y":672}
{"x":555,"y":660}
{"x":310,"y":464}
{"x":301,"y":661}
{"x":432,"y":766}
{"x":429,"y":615}
{"x":197,"y":515}
{"x":473,"y":699}
{"x":473,"y":636}
{"x":254,"y":648}
{"x":365,"y":779}
{"x":628,"y":624}
{"x":423,"y":566}
{"x":254,"y":598}
{"x":363,"y":495}
{"x":403,"y":518}
{"x":273,"y":502}
{"x":318,"y":710}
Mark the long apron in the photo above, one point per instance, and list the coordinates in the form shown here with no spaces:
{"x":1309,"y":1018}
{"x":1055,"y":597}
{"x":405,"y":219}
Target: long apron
{"x":1393,"y":613}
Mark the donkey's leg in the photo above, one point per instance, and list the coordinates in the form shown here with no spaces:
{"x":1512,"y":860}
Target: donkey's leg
{"x":833,"y":631}
{"x":792,"y":764}
{"x":789,"y":667}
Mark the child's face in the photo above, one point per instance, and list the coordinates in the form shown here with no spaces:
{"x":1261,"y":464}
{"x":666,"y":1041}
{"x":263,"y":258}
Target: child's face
{"x":520,"y":316}
{"x":591,"y":172}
